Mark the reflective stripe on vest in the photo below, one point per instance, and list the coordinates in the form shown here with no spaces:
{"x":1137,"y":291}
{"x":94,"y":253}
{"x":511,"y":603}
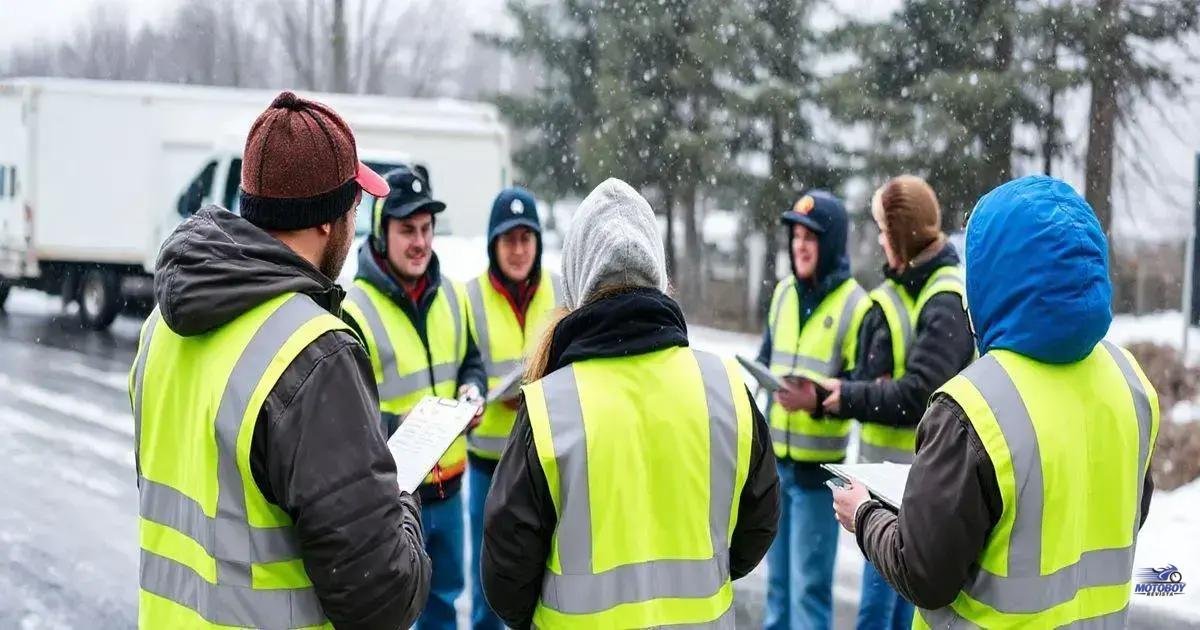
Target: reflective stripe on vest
{"x":578,"y":588}
{"x":234,"y":545}
{"x":797,"y":435}
{"x":1024,"y":590}
{"x":395,"y":385}
{"x":394,"y":345}
{"x":491,"y":436}
{"x":883,"y":443}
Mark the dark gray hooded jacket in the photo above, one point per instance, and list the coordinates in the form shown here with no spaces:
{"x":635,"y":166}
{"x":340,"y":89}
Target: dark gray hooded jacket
{"x":317,"y":451}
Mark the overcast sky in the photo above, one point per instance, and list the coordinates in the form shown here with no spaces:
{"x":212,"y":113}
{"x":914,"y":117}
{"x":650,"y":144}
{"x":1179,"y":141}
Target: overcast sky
{"x":1162,"y":207}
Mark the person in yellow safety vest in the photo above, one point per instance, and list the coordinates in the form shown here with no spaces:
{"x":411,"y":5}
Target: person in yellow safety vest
{"x":255,"y":413}
{"x":1031,"y":477}
{"x":413,"y":321}
{"x":812,"y":331}
{"x":639,"y":480}
{"x":510,"y":304}
{"x":915,"y":338}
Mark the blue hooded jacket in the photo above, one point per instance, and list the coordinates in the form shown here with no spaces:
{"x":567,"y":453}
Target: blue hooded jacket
{"x":1037,"y":272}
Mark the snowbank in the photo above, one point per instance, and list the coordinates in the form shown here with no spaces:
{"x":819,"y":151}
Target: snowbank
{"x":1169,"y":537}
{"x":1164,"y":328}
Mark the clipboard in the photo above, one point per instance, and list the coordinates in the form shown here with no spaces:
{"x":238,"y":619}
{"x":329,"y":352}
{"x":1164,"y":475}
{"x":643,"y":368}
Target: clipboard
{"x":761,"y":374}
{"x":508,"y":386}
{"x":425,"y":434}
{"x":885,"y":481}
{"x":773,"y":383}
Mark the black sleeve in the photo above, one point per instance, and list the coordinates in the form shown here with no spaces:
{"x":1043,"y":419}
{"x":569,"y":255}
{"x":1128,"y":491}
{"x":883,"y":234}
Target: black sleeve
{"x":472,"y":372}
{"x":758,"y":507}
{"x":764,"y":351}
{"x":318,"y":453}
{"x":1147,"y":493}
{"x":874,"y":347}
{"x":924,"y":555}
{"x":518,"y":526}
{"x":942,"y":347}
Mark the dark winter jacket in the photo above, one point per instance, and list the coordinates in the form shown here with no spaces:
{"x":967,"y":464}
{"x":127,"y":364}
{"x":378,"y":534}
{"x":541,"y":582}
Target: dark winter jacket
{"x":317,"y":451}
{"x":471,"y":372}
{"x":833,"y":268}
{"x":1036,"y":287}
{"x":942,"y":346}
{"x":519,"y":519}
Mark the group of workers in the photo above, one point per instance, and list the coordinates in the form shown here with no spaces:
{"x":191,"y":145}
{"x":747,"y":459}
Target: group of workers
{"x":634,"y":477}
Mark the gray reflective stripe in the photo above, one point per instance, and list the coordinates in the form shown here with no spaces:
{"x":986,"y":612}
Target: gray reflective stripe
{"x":232,"y":539}
{"x":1145,"y":416}
{"x":1117,"y":620}
{"x":383,"y":346}
{"x":874,"y":453}
{"x":502,"y":368}
{"x":396,"y":385}
{"x":556,"y":282}
{"x":452,"y":300}
{"x":229,"y":604}
{"x":1025,"y":590}
{"x":487,"y":443}
{"x":1037,"y":593}
{"x":779,"y":299}
{"x":581,"y":591}
{"x":945,"y":618}
{"x":167,"y":506}
{"x":1012,"y":416}
{"x":888,"y":290}
{"x":790,"y":361}
{"x":484,"y":342}
{"x":857,"y":295}
{"x":813,"y":442}
{"x":139,"y":373}
{"x":228,"y":537}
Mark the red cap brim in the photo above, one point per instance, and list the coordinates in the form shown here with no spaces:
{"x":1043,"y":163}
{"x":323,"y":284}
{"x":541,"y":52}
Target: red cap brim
{"x":372,"y":182}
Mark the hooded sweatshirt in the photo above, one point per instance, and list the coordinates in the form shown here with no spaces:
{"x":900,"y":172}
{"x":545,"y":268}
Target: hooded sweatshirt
{"x":833,"y":268}
{"x":316,"y":446}
{"x":519,"y":518}
{"x":1037,"y":284}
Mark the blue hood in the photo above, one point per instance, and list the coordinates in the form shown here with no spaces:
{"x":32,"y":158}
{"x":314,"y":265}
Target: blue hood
{"x":1037,"y":272}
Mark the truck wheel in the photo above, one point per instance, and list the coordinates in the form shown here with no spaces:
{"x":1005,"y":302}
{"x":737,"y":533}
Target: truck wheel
{"x":99,"y":298}
{"x":3,"y":294}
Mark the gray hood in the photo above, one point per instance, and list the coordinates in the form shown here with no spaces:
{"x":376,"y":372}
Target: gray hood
{"x":613,"y":242}
{"x":216,"y":266}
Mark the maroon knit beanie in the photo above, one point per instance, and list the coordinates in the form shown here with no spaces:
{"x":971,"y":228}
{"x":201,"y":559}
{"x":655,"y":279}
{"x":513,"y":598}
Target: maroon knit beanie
{"x":300,"y":167}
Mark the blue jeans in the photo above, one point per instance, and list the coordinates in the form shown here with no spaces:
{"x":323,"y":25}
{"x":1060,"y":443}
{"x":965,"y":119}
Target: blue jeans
{"x":800,"y":561}
{"x":444,"y":540}
{"x":880,"y":608}
{"x":478,"y":483}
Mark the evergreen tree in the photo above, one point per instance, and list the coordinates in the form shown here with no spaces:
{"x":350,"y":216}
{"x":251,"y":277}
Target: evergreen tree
{"x":940,"y":90}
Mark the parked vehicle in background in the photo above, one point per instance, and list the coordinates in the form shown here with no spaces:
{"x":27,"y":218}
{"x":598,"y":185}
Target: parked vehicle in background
{"x":95,"y":174}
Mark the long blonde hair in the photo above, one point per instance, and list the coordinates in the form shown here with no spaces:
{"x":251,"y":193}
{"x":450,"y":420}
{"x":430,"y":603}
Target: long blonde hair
{"x":537,"y":365}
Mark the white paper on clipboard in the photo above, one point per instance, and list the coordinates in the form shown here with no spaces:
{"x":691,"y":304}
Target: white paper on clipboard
{"x":885,"y":481}
{"x":425,"y":435}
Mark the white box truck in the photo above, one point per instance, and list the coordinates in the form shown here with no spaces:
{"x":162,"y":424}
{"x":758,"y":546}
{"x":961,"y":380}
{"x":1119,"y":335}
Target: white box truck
{"x":95,"y":174}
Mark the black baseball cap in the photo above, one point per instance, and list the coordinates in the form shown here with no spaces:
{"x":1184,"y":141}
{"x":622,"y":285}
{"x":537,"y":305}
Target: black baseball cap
{"x":409,"y":194}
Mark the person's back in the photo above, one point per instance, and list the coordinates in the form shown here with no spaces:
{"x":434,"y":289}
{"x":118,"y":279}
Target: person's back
{"x":639,"y":479}
{"x":254,"y":413}
{"x":1041,"y":448}
{"x":648,"y":454}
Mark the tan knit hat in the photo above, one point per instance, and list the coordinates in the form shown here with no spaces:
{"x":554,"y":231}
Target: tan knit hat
{"x":908,"y":210}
